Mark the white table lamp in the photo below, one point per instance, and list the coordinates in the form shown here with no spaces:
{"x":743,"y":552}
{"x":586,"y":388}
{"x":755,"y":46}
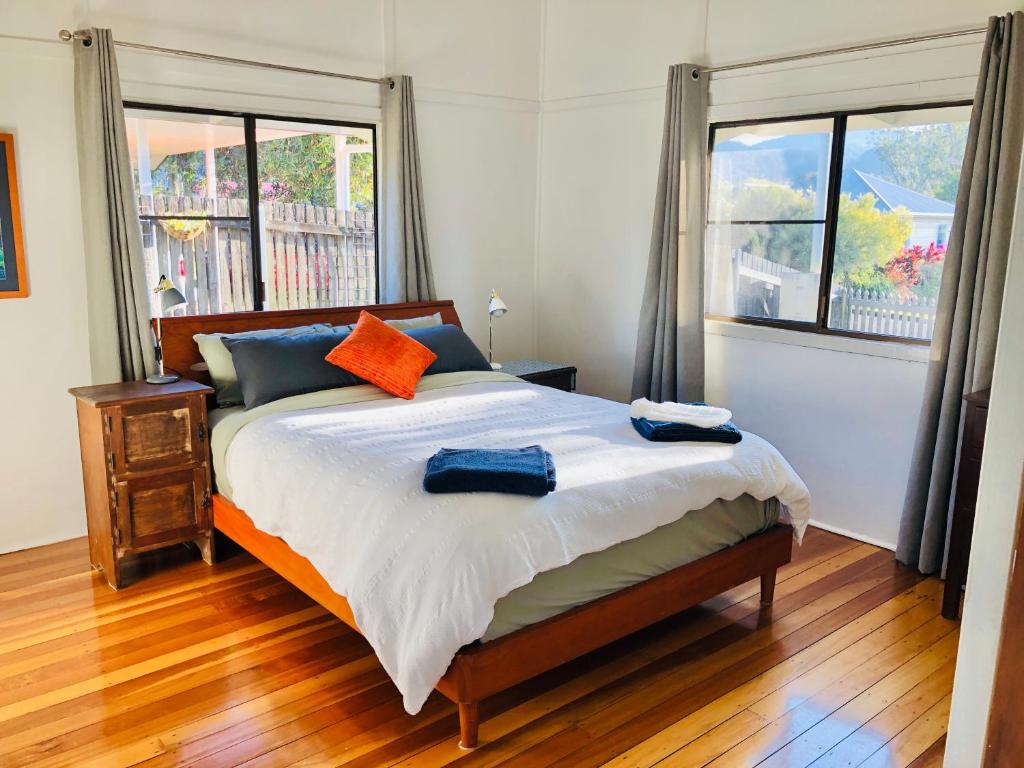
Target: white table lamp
{"x":495,"y":308}
{"x":170,"y":299}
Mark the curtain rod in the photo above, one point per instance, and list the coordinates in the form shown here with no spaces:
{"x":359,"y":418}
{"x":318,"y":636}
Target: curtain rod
{"x":86,"y":37}
{"x":848,"y":49}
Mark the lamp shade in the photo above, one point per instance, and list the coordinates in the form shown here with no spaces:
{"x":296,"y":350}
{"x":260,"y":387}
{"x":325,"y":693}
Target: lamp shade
{"x":496,"y":307}
{"x":170,"y":297}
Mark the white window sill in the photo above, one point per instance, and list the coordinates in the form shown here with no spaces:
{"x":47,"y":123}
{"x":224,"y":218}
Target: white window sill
{"x":896,"y":350}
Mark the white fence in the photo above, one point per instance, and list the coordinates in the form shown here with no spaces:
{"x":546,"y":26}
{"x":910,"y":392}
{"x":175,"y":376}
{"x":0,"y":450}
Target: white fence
{"x":877,"y":312}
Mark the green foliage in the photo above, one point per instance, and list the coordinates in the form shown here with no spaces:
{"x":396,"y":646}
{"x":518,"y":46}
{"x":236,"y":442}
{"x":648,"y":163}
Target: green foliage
{"x":785,"y":244}
{"x":180,"y":174}
{"x":770,"y":200}
{"x":361,"y":181}
{"x":296,"y":169}
{"x":301,"y":166}
{"x":867,"y":237}
{"x":925,"y":159}
{"x":930,"y":281}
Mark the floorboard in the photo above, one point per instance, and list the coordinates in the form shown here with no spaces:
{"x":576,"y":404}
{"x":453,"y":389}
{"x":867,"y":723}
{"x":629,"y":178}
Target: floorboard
{"x":229,"y":665}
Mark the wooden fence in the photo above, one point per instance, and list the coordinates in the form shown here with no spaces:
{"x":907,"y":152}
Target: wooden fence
{"x":312,"y":256}
{"x":868,"y":311}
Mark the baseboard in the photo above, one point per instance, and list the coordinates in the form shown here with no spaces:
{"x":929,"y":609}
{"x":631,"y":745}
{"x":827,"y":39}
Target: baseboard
{"x":853,"y":535}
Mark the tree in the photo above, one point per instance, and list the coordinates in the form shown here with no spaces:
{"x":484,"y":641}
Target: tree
{"x":786,"y":244}
{"x":867,"y":237}
{"x":916,"y":271}
{"x":926,"y":159}
{"x":295,"y":169}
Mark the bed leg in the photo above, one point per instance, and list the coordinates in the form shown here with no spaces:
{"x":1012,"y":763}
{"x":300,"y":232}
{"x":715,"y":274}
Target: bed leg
{"x":469,"y":723}
{"x":768,"y":587}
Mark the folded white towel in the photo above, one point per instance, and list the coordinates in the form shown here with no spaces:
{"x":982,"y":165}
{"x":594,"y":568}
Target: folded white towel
{"x":706,"y":416}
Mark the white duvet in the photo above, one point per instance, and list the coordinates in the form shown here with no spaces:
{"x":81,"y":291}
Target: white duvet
{"x":342,"y":485}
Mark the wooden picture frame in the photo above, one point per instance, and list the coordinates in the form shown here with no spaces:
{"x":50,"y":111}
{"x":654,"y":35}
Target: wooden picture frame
{"x":13,"y":277}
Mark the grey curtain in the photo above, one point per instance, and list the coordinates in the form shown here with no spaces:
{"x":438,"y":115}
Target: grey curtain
{"x":121,"y":345}
{"x":971,"y":295}
{"x":670,"y":341}
{"x":405,"y":271}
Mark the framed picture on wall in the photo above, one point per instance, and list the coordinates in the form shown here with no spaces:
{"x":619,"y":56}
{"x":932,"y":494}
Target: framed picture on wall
{"x":13,"y":278}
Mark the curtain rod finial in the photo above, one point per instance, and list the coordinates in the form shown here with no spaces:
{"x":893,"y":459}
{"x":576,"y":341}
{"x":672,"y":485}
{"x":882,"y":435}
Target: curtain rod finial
{"x":68,"y":36}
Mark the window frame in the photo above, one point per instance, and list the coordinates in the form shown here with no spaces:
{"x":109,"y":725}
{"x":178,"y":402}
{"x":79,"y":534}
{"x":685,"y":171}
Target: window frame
{"x":249,"y":119}
{"x":839,"y":120}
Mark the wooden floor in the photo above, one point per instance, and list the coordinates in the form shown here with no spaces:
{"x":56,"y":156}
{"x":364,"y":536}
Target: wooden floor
{"x":229,"y":665}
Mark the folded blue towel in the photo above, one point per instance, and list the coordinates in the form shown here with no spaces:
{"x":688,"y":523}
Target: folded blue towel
{"x":670,"y":432}
{"x":528,"y":471}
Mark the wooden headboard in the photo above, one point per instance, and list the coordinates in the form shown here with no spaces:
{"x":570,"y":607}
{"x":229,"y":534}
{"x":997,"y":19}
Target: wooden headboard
{"x":181,"y":353}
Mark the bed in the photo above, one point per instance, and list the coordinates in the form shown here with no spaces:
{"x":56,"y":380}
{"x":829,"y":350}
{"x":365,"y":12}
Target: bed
{"x":474,"y":594}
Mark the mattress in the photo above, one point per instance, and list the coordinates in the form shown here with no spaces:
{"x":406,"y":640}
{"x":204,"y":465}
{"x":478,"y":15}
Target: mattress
{"x":702,"y":532}
{"x":338,"y":475}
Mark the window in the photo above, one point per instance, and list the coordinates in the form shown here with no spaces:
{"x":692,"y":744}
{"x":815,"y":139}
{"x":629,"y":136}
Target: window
{"x":835,"y":224}
{"x":314,"y":215}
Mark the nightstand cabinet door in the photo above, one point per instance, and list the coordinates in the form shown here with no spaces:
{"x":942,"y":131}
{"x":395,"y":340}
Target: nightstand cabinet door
{"x":157,"y":509}
{"x":156,"y":435}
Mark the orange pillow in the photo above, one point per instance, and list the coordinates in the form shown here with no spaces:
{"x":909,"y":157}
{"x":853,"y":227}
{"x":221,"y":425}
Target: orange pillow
{"x":383,"y":356}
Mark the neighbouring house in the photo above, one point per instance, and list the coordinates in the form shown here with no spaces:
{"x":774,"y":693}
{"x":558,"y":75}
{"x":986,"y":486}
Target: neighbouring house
{"x":931,"y":217}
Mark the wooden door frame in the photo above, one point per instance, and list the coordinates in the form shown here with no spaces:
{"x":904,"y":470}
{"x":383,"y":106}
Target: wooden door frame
{"x":1004,"y":738}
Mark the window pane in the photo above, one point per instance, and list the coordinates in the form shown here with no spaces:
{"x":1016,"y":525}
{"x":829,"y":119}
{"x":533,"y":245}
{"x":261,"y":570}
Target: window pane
{"x":193,"y":166}
{"x":770,"y":172}
{"x":901,"y":172}
{"x":768,"y":270}
{"x":317,"y":214}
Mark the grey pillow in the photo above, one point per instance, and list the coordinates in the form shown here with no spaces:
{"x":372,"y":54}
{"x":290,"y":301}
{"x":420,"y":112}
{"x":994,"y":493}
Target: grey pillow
{"x":222,"y":369}
{"x":272,"y":367}
{"x":454,"y":349}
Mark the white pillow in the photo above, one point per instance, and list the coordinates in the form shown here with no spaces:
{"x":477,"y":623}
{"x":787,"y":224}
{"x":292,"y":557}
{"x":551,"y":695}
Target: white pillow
{"x":408,"y":323}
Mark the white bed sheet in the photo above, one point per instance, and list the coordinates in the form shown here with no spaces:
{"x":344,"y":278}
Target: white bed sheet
{"x":342,"y":485}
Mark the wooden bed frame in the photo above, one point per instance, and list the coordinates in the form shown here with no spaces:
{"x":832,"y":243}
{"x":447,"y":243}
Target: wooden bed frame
{"x":483,"y":669}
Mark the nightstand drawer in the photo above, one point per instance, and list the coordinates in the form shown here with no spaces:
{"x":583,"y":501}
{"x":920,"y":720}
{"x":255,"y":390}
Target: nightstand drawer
{"x":157,"y":435}
{"x":158,"y":509}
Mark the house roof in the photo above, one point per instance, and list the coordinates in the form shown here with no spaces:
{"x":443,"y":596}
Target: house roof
{"x":891,"y":196}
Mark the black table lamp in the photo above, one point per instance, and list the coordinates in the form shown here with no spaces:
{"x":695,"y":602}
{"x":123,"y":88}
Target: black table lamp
{"x":170,"y":299}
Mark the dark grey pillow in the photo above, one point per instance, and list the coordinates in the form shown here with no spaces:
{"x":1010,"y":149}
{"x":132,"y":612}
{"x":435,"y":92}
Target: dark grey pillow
{"x":272,"y":367}
{"x":454,"y":349}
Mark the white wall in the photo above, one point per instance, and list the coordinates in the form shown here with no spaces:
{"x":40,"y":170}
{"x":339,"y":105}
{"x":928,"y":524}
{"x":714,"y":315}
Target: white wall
{"x":992,"y":553}
{"x":540,"y":128}
{"x":476,"y":67}
{"x":44,"y":342}
{"x":603,"y":92}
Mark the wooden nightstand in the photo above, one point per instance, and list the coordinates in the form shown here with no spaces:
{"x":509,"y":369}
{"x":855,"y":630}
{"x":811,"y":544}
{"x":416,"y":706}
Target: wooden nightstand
{"x":548,"y":374}
{"x":964,"y":501}
{"x":146,"y":469}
